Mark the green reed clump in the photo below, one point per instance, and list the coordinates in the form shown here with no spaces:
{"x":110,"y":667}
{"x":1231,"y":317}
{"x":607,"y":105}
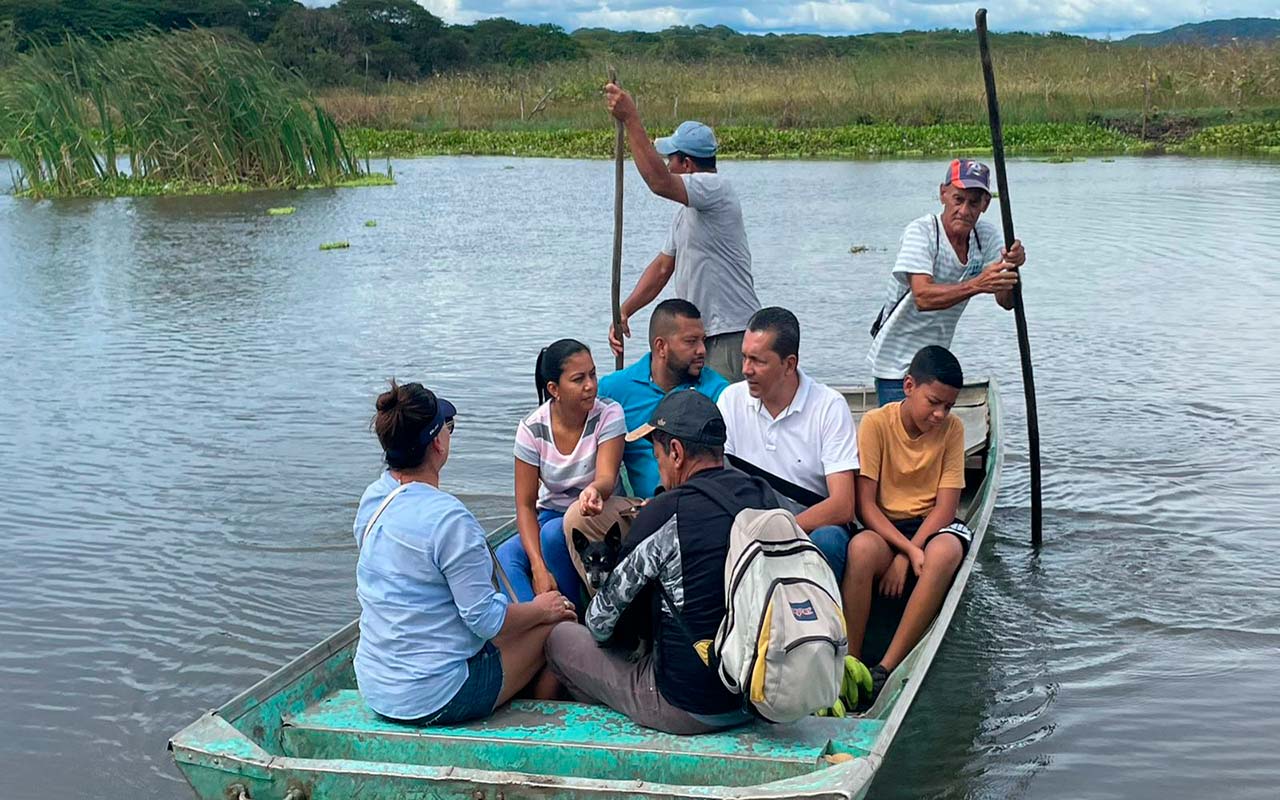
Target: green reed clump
{"x":191,"y":108}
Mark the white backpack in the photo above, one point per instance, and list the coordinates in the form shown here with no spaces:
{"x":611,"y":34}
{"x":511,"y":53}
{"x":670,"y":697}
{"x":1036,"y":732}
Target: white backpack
{"x":782,"y":642}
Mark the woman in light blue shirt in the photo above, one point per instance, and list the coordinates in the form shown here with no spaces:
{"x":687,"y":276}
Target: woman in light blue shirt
{"x":438,"y":643}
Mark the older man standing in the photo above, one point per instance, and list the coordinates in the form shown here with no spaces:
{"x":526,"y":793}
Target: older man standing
{"x":943,"y":260}
{"x":706,"y":249}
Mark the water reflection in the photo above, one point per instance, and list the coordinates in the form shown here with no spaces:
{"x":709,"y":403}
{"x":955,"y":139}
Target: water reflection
{"x":187,"y":384}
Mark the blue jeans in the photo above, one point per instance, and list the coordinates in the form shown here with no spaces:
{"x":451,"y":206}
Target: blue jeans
{"x":477,"y":697}
{"x":833,"y":541}
{"x":555,"y":552}
{"x":889,"y":390}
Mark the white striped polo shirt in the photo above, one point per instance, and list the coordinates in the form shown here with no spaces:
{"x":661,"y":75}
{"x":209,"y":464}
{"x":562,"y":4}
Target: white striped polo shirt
{"x":925,"y":250}
{"x":562,"y":477}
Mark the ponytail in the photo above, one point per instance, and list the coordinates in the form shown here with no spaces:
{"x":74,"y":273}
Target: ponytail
{"x":538,"y":383}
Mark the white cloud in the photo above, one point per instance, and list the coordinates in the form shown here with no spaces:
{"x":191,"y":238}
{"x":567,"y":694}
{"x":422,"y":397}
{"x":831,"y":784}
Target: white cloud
{"x":647,"y":19}
{"x":1092,"y":17}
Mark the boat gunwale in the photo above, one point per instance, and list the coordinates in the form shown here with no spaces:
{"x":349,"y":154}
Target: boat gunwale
{"x":977,"y":522}
{"x":861,"y":770}
{"x":605,"y":787}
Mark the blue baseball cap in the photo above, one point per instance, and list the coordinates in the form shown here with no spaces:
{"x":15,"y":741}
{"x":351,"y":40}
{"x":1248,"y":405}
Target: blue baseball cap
{"x":965,"y":173}
{"x":691,"y":138}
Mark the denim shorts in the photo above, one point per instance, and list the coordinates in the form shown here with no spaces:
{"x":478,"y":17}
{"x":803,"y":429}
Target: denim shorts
{"x":478,"y":696}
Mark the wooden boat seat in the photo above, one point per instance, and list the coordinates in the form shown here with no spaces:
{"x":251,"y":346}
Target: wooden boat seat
{"x":575,"y":740}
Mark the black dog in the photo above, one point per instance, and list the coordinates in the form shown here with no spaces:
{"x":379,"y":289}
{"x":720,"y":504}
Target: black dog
{"x":598,"y":558}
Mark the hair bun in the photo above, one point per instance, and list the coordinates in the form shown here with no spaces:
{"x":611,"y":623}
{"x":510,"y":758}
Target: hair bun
{"x":388,"y":400}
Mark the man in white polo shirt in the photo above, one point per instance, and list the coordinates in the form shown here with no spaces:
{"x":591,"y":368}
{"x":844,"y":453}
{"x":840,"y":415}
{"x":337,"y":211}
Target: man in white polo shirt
{"x":796,"y":432}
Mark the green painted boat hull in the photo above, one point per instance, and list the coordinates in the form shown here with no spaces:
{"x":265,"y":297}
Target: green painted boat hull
{"x":303,"y":733}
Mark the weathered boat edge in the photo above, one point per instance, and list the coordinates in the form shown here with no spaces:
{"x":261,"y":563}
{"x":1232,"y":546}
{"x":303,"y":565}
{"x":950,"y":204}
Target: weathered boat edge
{"x":923,"y":653}
{"x":215,"y":756}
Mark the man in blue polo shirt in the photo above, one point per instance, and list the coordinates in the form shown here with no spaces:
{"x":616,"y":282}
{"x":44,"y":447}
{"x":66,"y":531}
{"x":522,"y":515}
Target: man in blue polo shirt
{"x":676,"y":360}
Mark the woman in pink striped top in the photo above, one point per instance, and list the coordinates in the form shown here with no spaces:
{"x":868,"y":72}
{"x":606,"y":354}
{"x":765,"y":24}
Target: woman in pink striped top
{"x":569,"y":450}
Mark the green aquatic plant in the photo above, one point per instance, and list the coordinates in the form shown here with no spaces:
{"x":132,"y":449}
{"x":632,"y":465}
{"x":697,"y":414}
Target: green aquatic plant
{"x":191,"y":108}
{"x":281,"y":212}
{"x":335,"y":245}
{"x":852,"y":141}
{"x":371,"y":223}
{"x":1240,"y":137}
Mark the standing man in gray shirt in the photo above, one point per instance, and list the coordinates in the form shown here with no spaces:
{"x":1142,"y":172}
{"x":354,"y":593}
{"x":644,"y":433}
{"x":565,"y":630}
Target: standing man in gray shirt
{"x":706,"y":249}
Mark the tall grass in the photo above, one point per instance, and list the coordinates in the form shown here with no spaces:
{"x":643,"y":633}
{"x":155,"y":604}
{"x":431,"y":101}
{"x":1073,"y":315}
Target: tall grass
{"x":191,"y":108}
{"x":1050,"y":81}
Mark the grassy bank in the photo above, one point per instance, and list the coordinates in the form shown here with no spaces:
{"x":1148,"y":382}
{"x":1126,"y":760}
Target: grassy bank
{"x":854,"y":141}
{"x":1066,"y":97}
{"x":1067,"y":81}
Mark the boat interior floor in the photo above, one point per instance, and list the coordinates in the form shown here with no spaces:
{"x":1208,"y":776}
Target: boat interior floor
{"x":575,"y":740}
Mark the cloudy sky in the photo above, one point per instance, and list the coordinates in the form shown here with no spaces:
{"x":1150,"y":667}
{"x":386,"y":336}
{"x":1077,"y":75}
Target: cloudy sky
{"x":1115,"y":18}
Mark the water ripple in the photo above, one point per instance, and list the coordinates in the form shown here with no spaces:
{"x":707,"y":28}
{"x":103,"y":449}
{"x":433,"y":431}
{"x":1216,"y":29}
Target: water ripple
{"x":187,"y":385}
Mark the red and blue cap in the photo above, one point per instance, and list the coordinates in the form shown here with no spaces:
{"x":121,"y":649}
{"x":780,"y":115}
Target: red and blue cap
{"x":965,"y":173}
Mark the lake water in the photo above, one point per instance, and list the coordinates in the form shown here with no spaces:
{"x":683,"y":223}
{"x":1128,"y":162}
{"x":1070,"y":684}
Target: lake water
{"x":186,"y":387}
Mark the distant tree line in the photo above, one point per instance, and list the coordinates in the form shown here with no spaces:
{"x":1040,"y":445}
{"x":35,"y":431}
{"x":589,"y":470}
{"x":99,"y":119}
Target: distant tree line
{"x":366,"y":41}
{"x":348,"y":42}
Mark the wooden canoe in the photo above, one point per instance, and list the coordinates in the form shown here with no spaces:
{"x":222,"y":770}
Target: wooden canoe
{"x":304,"y":733}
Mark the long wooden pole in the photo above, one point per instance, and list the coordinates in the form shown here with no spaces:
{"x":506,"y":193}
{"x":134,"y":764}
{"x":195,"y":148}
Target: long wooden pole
{"x":616,"y":289}
{"x":1019,"y":312}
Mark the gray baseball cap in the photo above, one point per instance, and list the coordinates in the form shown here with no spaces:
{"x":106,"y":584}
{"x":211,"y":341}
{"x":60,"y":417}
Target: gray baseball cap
{"x":687,"y":415}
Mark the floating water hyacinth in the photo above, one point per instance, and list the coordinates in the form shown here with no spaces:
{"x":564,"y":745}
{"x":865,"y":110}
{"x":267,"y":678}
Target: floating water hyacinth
{"x":335,"y":246}
{"x":281,"y":212}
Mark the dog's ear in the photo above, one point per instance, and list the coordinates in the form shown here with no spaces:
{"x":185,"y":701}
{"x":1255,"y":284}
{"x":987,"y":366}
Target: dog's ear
{"x":579,"y":541}
{"x":614,"y":536}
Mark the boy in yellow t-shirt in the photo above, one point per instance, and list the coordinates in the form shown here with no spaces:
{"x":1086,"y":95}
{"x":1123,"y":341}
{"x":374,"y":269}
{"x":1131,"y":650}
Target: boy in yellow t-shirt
{"x":911,"y":456}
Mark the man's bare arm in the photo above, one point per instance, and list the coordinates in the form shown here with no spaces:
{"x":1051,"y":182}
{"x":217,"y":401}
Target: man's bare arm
{"x":650,"y":165}
{"x":652,"y":281}
{"x":837,"y":509}
{"x":996,"y":278}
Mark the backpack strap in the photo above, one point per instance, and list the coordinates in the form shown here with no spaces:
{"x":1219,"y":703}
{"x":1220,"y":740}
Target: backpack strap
{"x":782,"y":486}
{"x":726,"y":501}
{"x":707,"y":657}
{"x":887,"y":311}
{"x":386,"y":501}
